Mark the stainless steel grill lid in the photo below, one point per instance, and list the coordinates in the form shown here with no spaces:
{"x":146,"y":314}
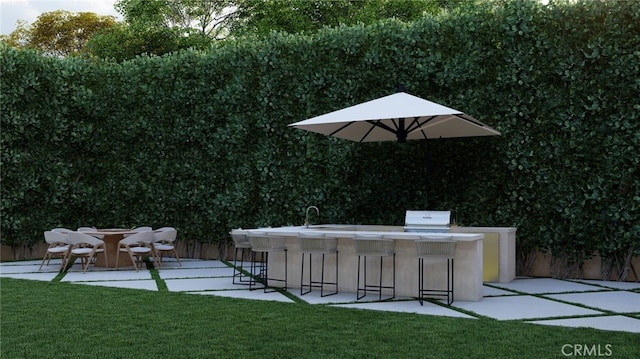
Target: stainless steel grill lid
{"x":427,"y":221}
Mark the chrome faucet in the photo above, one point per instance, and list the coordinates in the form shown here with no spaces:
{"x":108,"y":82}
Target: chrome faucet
{"x":306,"y":218}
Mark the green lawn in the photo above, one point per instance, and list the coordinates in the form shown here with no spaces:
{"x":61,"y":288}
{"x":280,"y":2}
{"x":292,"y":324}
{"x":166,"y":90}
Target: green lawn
{"x":64,"y":320}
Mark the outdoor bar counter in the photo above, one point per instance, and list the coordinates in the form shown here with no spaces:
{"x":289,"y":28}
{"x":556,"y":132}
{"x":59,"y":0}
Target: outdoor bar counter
{"x":467,"y":271}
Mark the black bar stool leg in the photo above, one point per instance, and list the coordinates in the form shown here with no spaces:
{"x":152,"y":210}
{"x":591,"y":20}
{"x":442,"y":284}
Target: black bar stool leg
{"x":380,"y":281}
{"x":302,"y":276}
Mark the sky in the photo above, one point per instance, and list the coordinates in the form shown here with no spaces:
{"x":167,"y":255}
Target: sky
{"x":13,"y":10}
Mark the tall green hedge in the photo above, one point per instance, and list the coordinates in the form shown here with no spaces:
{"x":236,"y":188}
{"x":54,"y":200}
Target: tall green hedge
{"x":199,"y":140}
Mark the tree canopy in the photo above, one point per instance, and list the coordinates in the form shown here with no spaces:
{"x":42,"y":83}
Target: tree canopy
{"x":59,"y":33}
{"x":293,"y":16}
{"x":206,"y":17}
{"x":125,"y":42}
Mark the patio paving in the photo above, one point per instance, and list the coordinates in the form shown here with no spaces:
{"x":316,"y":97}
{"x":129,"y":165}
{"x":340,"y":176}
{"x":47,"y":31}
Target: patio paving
{"x":195,"y":272}
{"x":612,"y":306}
{"x":614,"y":301}
{"x":105,"y":275}
{"x":199,"y":284}
{"x":523,"y":307}
{"x":131,"y":284}
{"x":246,"y":294}
{"x":546,"y":285}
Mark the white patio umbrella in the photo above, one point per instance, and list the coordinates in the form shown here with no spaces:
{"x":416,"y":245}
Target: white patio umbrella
{"x":398,"y":117}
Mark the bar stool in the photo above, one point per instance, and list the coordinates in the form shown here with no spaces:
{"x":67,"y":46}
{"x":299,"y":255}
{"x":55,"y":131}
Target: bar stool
{"x":241,"y":243}
{"x":435,"y":247}
{"x":265,"y":244}
{"x":374,"y":245}
{"x":317,"y":243}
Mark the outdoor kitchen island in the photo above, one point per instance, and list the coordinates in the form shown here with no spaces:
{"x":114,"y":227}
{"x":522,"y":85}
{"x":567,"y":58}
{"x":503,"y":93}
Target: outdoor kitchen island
{"x":467,"y":271}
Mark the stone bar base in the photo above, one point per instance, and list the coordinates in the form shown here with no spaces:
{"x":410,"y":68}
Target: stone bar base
{"x":467,"y":267}
{"x":499,"y":252}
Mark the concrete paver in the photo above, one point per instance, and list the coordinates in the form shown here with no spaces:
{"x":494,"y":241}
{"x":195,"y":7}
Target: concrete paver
{"x":546,"y":285}
{"x":617,"y":301}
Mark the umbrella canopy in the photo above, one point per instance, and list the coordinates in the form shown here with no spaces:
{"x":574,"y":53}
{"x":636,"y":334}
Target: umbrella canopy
{"x":398,"y":117}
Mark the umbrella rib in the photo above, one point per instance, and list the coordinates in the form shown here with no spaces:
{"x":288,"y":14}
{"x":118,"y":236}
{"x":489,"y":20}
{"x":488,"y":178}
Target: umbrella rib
{"x":341,"y":128}
{"x":378,"y":123}
{"x":415,"y":124}
{"x":383,"y":126}
{"x":368,"y":132}
{"x":419,"y":126}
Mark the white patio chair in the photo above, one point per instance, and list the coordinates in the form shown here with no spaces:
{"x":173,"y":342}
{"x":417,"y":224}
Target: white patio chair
{"x":139,"y":229}
{"x":62,"y":230}
{"x":144,"y":228}
{"x":137,"y":246}
{"x":164,"y":243}
{"x":90,"y":229}
{"x":85,"y":247}
{"x":58,"y":246}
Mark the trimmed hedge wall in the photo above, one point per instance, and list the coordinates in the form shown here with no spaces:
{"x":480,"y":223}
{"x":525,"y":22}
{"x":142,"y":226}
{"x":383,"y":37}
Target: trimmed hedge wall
{"x":200,"y":141}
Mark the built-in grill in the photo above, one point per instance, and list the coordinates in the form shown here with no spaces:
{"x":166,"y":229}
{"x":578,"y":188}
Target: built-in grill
{"x":427,"y":221}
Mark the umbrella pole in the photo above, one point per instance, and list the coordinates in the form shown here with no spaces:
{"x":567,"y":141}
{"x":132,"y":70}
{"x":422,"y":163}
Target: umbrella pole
{"x":427,"y":170}
{"x":401,"y":133}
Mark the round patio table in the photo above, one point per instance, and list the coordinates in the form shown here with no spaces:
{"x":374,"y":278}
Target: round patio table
{"x":111,"y":237}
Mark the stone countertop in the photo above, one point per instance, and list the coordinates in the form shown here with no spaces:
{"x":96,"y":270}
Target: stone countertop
{"x":350,"y":231}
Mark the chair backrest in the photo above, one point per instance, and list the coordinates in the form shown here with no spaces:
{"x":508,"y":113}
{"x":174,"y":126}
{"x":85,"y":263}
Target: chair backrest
{"x":90,"y":229}
{"x":431,"y":237}
{"x":61,"y":230}
{"x":240,"y":240}
{"x":52,"y":237}
{"x":436,"y":247}
{"x":76,"y":238}
{"x":140,"y":237}
{"x":166,"y":236}
{"x":374,"y":245}
{"x":142,"y":229}
{"x":316,"y":242}
{"x":261,"y":242}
